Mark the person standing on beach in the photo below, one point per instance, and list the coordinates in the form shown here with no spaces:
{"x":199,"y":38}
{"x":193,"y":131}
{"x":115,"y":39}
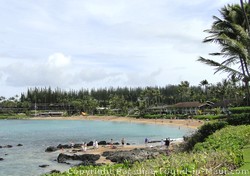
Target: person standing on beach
{"x":123,"y":141}
{"x":111,"y":143}
{"x":96,"y":144}
{"x":83,"y":144}
{"x":85,"y":147}
{"x":167,"y":142}
{"x":146,"y":141}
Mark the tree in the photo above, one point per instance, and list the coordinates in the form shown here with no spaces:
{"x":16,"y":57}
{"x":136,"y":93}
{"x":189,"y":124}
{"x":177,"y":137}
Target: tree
{"x":232,"y":33}
{"x":119,"y":103}
{"x":184,"y":90}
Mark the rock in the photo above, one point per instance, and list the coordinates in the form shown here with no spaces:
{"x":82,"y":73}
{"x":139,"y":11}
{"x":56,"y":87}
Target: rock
{"x":1,"y":146}
{"x":77,"y":146}
{"x":132,"y":155}
{"x":66,"y":146}
{"x":8,"y":146}
{"x":116,"y":143}
{"x":19,"y":145}
{"x":51,"y":149}
{"x":102,"y":143}
{"x":62,"y":158}
{"x":75,"y":151}
{"x":87,"y":163}
{"x":127,"y":143}
{"x":54,"y":171}
{"x":1,"y":159}
{"x":43,"y":166}
{"x":90,"y":143}
{"x":154,"y":141}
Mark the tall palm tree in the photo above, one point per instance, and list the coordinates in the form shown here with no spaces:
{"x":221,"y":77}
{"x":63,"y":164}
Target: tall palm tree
{"x":232,"y":33}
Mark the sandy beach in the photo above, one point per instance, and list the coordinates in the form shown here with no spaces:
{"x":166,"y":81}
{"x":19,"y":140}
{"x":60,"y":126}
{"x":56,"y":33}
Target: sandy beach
{"x":187,"y":123}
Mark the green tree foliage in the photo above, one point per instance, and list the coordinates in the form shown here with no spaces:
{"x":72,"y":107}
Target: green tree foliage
{"x":231,"y":33}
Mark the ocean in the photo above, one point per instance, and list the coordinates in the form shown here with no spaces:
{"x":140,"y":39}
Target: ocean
{"x":36,"y":135}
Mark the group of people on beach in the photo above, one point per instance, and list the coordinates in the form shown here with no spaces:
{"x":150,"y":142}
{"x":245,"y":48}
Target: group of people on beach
{"x":95,"y":145}
{"x":167,"y":142}
{"x":111,"y":143}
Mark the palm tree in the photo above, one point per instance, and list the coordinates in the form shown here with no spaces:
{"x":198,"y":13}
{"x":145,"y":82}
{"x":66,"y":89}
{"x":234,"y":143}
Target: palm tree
{"x":232,"y":33}
{"x":204,"y":83}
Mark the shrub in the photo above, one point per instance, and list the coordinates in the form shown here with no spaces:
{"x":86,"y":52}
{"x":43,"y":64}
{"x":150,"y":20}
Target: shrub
{"x":239,"y":119}
{"x":204,"y":131}
{"x":230,"y":140}
{"x":209,"y":117}
{"x":239,"y":110}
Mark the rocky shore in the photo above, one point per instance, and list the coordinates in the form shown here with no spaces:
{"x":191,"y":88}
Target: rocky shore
{"x":105,"y":153}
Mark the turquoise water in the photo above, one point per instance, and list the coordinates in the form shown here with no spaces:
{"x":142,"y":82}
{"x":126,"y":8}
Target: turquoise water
{"x":37,"y":135}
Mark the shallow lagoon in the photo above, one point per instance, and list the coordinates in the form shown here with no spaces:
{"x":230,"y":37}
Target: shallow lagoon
{"x":37,"y":135}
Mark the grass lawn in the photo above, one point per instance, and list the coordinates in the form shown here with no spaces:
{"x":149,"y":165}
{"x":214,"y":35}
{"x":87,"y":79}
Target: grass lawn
{"x":245,"y":169}
{"x":13,"y":116}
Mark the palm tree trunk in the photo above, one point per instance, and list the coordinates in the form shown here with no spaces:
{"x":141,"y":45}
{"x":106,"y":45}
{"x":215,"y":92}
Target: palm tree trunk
{"x":248,"y":49}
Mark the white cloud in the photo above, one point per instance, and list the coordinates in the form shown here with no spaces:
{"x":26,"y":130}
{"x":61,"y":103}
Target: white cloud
{"x":104,"y":42}
{"x":58,"y":60}
{"x":47,"y":73}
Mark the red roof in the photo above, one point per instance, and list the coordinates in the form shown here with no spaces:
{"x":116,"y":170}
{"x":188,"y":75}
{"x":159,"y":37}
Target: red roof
{"x":192,"y":104}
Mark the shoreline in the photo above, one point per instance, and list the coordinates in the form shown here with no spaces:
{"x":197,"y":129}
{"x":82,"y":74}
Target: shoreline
{"x":187,"y":123}
{"x":117,"y":148}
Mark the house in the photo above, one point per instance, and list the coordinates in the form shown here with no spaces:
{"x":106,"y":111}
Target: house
{"x":181,"y":108}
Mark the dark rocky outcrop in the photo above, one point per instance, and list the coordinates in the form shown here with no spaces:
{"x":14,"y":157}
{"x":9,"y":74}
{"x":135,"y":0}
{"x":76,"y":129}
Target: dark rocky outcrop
{"x":102,"y":143}
{"x":1,"y":159}
{"x":77,"y":146}
{"x":132,"y":155}
{"x":7,"y":146}
{"x":54,"y":171}
{"x":91,"y":158}
{"x":156,"y":141}
{"x":89,"y":163}
{"x":44,"y":165}
{"x":19,"y":145}
{"x":90,"y":143}
{"x":66,"y":146}
{"x":51,"y":149}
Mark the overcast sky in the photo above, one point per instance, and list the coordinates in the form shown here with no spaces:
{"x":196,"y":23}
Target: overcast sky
{"x":74,"y":44}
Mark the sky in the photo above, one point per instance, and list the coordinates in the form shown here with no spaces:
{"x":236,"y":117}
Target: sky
{"x":75,"y":44}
